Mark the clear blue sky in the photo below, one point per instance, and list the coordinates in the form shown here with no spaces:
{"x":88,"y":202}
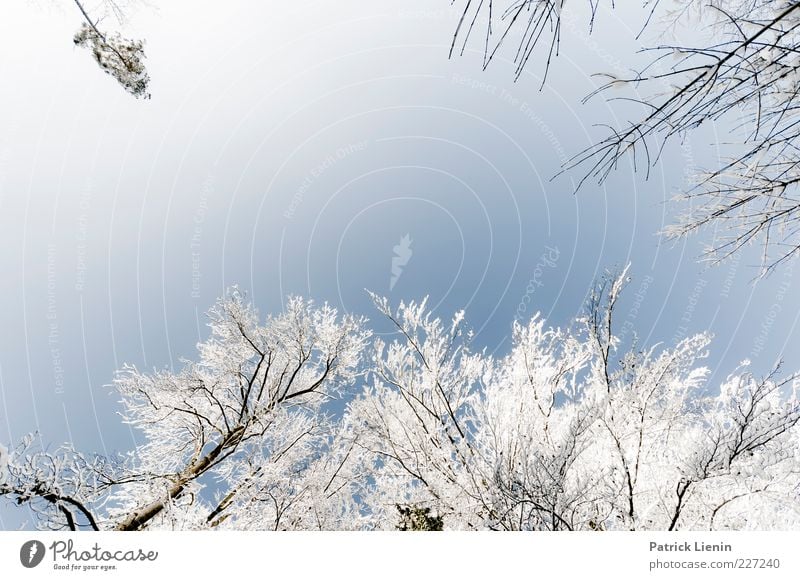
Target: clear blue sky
{"x":289,"y":149}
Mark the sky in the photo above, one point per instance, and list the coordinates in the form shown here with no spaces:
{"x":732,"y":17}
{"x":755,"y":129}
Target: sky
{"x":325,"y":149}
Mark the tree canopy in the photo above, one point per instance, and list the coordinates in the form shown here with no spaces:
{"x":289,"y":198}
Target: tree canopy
{"x":305,"y":421}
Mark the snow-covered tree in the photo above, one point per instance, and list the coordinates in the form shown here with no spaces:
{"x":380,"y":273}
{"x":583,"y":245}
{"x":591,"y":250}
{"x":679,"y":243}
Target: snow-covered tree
{"x":122,"y":58}
{"x":250,"y":416}
{"x":556,"y":436}
{"x":304,"y":422}
{"x":746,"y":72}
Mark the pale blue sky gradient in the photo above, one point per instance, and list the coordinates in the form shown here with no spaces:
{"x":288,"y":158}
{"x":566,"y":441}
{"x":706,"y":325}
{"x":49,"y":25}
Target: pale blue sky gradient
{"x":288,"y":149}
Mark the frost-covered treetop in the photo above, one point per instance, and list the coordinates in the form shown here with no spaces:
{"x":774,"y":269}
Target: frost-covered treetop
{"x":303,"y":421}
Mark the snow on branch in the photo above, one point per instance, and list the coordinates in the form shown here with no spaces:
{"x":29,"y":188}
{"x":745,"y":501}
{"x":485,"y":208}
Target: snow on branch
{"x":746,"y":74}
{"x":302,"y":421}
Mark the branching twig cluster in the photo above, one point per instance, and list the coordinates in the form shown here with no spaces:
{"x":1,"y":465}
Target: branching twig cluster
{"x":749,"y":76}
